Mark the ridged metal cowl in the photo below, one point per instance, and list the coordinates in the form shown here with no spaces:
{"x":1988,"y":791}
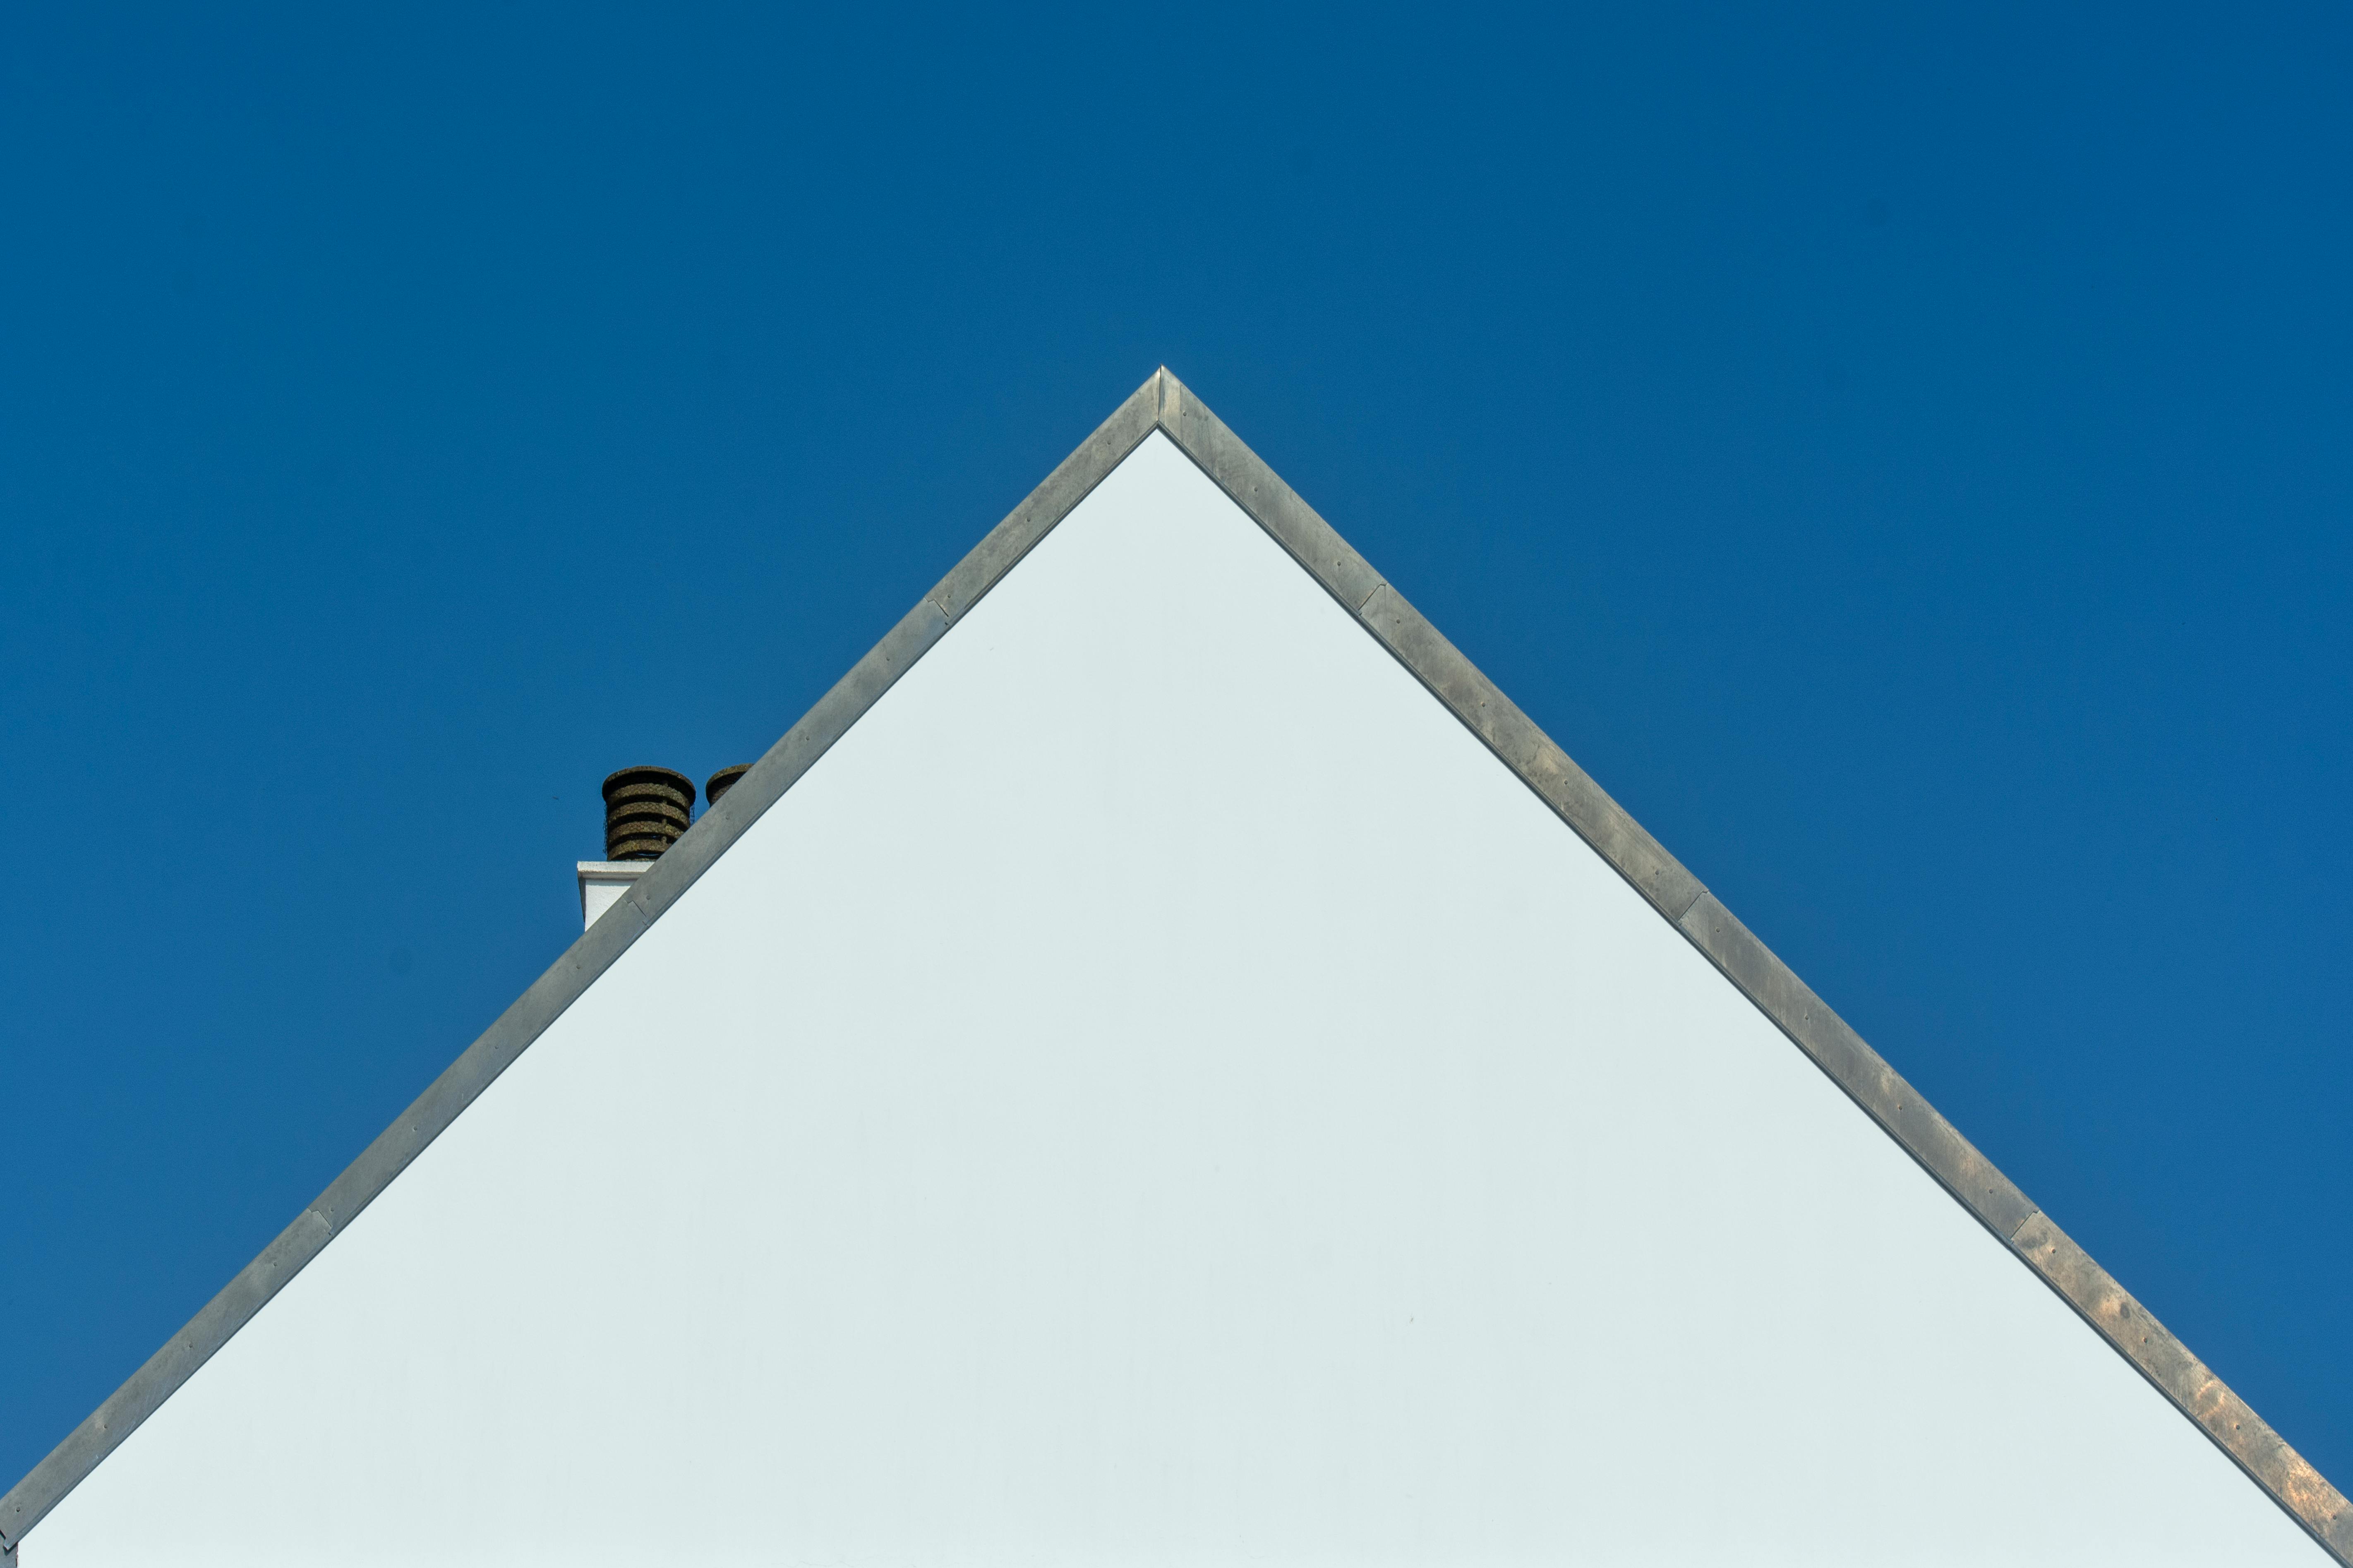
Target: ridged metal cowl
{"x":646,"y":809}
{"x":722,"y":781}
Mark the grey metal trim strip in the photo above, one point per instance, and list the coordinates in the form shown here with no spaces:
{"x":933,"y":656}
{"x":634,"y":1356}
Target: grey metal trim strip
{"x":2166,"y":1361}
{"x":31,"y":1498}
{"x":1825,"y":1037}
{"x":1163,"y":403}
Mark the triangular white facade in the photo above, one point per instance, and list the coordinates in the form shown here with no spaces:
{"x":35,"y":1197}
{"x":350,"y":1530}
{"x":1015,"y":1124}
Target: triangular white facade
{"x":1157,"y":1079}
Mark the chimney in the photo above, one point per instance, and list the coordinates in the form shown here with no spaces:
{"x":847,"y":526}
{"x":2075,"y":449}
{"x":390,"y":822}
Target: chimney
{"x":722,"y":781}
{"x":646,"y":809}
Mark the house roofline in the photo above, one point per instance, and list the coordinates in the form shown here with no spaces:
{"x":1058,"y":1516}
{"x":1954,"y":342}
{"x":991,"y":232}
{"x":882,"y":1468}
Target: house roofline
{"x":1165,"y":405}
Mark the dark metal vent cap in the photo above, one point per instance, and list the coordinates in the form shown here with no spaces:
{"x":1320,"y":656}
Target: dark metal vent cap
{"x":644,"y":811}
{"x":722,"y":781}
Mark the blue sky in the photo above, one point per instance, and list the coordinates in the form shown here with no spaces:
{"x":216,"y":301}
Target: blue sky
{"x":1903,"y":453}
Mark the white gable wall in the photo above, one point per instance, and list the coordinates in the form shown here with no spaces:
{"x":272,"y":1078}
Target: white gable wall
{"x":1159,"y":1089}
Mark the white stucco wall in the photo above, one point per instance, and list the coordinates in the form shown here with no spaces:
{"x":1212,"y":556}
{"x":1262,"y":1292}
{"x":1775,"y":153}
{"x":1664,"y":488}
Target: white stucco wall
{"x":1159,"y":1091}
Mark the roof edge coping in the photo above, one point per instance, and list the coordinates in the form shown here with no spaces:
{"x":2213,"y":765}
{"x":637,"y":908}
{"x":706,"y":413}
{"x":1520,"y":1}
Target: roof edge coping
{"x":1164,"y":403}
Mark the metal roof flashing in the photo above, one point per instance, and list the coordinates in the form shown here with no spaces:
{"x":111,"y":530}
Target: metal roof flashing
{"x":1163,"y":403}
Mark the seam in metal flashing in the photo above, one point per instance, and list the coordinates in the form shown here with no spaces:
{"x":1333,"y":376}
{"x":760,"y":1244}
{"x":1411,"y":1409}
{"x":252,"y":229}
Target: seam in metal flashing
{"x":1826,"y":1039}
{"x":1163,"y":403}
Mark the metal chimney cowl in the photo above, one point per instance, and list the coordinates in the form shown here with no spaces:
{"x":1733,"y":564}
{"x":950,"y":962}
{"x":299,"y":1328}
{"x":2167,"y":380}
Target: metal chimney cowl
{"x":646,"y":809}
{"x":720,"y":782}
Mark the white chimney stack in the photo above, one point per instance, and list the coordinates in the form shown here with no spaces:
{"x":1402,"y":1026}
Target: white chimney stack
{"x":602,"y":883}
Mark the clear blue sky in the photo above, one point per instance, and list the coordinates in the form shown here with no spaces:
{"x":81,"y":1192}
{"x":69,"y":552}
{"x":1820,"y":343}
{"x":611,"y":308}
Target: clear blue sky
{"x":1904,"y":453}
